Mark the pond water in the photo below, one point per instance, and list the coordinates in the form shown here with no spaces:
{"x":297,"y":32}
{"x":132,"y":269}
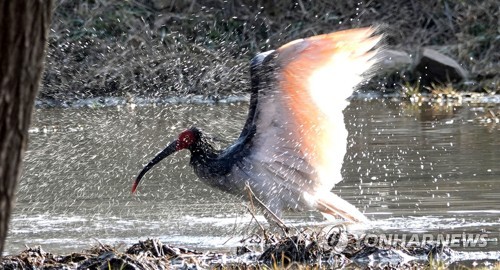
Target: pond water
{"x":429,"y":169}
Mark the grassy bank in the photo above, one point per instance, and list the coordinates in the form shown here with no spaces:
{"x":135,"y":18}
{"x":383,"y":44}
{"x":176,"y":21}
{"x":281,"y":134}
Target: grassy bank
{"x":171,"y":48}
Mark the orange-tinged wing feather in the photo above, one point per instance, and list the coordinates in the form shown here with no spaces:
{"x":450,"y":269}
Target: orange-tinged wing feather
{"x":318,"y":75}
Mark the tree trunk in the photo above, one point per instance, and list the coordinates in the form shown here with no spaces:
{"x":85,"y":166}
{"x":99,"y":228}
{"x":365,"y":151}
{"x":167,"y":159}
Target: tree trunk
{"x":23,"y":36}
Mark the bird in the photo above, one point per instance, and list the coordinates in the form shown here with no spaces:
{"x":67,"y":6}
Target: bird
{"x":291,"y":149}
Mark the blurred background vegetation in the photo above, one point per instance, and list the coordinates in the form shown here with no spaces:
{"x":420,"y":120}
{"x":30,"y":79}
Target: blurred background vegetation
{"x":162,"y":48}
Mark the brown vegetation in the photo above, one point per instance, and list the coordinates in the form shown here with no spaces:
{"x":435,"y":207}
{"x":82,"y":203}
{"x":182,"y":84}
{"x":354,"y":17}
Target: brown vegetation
{"x":168,"y":48}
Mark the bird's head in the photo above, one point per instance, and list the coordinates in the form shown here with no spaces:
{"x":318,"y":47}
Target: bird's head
{"x":187,"y":139}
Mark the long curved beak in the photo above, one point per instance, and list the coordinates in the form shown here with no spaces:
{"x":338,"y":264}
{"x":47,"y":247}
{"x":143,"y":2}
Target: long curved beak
{"x":170,"y":149}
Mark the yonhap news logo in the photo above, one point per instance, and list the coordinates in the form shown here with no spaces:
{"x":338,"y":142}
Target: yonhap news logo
{"x":338,"y":238}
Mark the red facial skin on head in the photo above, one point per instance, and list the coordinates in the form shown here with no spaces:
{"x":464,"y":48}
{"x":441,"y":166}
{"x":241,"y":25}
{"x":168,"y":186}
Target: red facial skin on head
{"x":186,"y":138}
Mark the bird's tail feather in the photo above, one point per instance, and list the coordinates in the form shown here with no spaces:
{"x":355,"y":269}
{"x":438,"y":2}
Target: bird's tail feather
{"x":332,"y":207}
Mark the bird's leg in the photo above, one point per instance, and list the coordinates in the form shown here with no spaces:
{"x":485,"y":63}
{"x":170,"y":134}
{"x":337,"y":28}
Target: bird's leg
{"x":251,"y":210}
{"x":270,"y":215}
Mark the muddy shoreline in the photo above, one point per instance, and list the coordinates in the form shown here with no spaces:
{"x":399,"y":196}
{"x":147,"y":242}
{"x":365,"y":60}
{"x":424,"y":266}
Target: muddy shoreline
{"x":299,"y":251}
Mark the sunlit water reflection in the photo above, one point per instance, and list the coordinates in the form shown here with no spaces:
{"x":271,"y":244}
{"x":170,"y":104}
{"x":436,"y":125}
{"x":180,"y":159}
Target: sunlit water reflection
{"x":412,"y":170}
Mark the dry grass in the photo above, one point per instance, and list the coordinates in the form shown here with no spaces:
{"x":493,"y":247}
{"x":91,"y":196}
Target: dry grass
{"x":110,"y":47}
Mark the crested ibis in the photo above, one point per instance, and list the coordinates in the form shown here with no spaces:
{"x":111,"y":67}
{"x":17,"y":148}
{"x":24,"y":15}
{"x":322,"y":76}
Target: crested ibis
{"x":291,"y":149}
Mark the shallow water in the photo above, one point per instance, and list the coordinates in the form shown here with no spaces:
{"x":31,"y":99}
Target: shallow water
{"x":410,"y":169}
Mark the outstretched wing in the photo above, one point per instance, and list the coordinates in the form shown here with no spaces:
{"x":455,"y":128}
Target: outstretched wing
{"x":299,"y":93}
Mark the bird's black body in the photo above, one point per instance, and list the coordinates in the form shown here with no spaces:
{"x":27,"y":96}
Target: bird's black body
{"x":213,"y":166}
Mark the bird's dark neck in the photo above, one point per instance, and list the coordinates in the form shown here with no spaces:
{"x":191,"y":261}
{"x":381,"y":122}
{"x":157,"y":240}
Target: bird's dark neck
{"x":203,"y":152}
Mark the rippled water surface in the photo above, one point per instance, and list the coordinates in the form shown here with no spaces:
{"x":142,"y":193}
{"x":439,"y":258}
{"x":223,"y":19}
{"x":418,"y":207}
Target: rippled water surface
{"x":410,"y":169}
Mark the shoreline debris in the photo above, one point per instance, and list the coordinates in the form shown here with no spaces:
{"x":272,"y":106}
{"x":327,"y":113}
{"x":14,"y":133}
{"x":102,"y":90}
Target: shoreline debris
{"x":304,"y":248}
